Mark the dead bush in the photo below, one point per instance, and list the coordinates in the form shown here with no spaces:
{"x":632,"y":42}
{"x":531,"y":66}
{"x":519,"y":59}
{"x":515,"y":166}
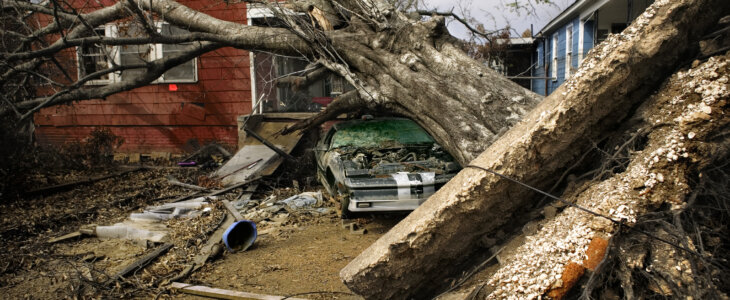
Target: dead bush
{"x":96,"y":150}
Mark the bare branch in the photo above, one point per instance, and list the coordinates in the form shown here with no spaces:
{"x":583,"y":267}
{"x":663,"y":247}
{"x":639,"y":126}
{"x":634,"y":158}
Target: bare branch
{"x":154,"y":70}
{"x":487,"y":35}
{"x":298,"y":82}
{"x":346,"y":102}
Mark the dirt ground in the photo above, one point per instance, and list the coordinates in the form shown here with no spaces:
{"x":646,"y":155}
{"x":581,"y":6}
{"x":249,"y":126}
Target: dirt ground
{"x":302,"y":261}
{"x":300,"y":256}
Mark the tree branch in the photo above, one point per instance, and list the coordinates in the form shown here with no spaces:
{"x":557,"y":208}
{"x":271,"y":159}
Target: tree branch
{"x":154,"y":70}
{"x":486,"y":35}
{"x":344,"y":103}
{"x":299,"y":82}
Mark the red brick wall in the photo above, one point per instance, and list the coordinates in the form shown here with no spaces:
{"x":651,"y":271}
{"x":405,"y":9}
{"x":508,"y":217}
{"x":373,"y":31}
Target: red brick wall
{"x":155,"y":118}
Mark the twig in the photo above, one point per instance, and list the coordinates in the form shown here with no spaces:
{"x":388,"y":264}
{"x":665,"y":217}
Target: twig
{"x":461,"y":20}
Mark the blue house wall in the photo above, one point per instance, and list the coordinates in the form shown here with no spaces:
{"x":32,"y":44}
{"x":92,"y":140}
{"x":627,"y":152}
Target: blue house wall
{"x":588,"y":28}
{"x":576,"y":43}
{"x":545,"y":58}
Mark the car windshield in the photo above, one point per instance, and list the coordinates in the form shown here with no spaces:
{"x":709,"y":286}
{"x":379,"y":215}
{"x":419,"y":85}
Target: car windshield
{"x":387,"y":133}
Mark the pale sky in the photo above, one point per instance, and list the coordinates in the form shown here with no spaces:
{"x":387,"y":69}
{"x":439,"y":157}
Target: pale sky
{"x":495,"y":14}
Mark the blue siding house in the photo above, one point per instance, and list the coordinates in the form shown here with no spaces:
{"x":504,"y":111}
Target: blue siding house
{"x":564,"y":41}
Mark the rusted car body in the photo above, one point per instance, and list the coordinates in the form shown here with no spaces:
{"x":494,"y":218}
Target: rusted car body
{"x":382,"y":164}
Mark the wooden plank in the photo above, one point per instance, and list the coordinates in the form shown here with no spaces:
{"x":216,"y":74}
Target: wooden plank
{"x":208,"y":249}
{"x":233,"y":187}
{"x":253,"y":150}
{"x":289,"y":115}
{"x":268,"y":144}
{"x":236,"y":214}
{"x":214,"y":239}
{"x":201,"y":290}
{"x":67,"y":186}
{"x":141,"y":262}
{"x":64,"y":237}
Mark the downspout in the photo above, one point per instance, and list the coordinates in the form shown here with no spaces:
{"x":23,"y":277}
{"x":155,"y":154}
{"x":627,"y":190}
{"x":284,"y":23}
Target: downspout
{"x":532,"y":62}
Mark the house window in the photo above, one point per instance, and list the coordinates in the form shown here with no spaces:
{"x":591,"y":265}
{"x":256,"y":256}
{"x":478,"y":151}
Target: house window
{"x":93,"y":58}
{"x":133,"y":54}
{"x":554,"y":64}
{"x":185,"y":72}
{"x":568,"y":50}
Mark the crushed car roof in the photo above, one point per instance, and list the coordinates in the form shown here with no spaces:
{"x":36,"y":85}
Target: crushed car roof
{"x":379,"y":133}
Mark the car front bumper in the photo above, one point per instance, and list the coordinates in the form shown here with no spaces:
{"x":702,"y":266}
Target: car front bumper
{"x":396,"y":192}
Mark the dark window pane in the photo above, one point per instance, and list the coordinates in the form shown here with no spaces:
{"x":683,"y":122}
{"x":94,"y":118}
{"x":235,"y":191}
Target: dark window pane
{"x":182,"y":72}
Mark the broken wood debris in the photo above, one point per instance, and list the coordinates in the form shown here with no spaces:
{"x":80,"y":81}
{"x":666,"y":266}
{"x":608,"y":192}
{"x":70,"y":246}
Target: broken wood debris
{"x":66,"y":186}
{"x":89,"y":230}
{"x":233,"y":187}
{"x":248,"y":166}
{"x":201,"y":290}
{"x":65,"y":237}
{"x":172,"y":180}
{"x":212,"y":245}
{"x":234,"y":212}
{"x":140,"y":263}
{"x":269,"y":144}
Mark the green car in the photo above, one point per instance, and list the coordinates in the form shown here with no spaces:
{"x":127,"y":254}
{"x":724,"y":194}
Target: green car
{"x":382,"y":165}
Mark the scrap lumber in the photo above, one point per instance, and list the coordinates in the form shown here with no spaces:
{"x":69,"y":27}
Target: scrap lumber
{"x":254,"y":158}
{"x":271,"y":146}
{"x":201,"y":290}
{"x":70,"y":185}
{"x":217,"y":236}
{"x":234,"y":212}
{"x":65,"y":237}
{"x":140,"y":263}
{"x":417,"y":256}
{"x":87,"y":230}
{"x":233,"y":187}
{"x":215,"y":239}
{"x":174,"y":181}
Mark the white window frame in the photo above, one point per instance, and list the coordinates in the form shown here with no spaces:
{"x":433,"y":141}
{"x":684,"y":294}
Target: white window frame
{"x":112,"y":30}
{"x":568,"y":49}
{"x":581,"y":40}
{"x":160,"y":54}
{"x":554,"y":54}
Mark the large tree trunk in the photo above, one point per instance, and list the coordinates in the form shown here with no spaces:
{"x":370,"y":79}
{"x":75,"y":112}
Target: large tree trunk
{"x":414,"y":258}
{"x":422,"y":74}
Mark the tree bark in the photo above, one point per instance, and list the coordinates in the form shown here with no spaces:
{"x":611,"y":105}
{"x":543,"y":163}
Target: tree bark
{"x":415,"y":257}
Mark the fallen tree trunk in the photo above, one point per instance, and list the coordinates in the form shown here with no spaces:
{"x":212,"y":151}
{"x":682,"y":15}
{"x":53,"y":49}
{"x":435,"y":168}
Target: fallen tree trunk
{"x":663,"y":173}
{"x":414,"y":258}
